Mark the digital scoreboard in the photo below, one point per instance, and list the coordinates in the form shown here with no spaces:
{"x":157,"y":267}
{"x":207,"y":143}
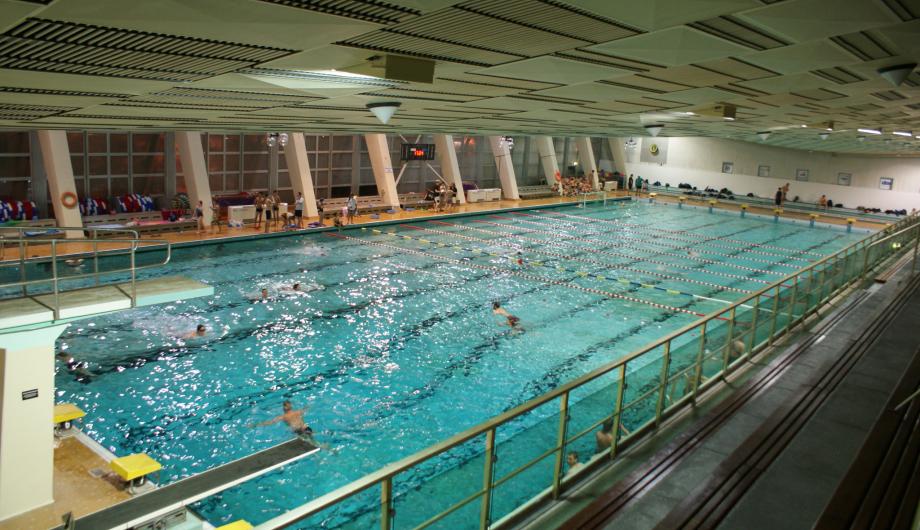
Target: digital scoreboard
{"x":417,"y":152}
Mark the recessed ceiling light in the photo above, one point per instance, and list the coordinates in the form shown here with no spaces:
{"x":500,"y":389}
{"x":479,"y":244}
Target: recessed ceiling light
{"x":803,"y":126}
{"x":903,"y":133}
{"x":729,"y":118}
{"x":870,"y":131}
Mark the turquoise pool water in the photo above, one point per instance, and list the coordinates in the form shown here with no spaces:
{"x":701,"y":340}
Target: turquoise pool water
{"x":393,"y":345}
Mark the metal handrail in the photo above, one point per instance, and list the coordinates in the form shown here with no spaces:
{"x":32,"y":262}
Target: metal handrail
{"x":95,"y":230}
{"x":54,"y":257}
{"x":385,"y":475}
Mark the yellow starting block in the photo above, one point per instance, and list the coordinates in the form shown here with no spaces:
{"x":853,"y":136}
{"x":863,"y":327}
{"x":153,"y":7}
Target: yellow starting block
{"x":236,"y":525}
{"x":64,"y":416}
{"x":134,"y":469}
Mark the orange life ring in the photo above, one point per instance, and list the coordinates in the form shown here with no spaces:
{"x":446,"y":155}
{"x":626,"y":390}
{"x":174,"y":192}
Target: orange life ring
{"x":558,"y":177}
{"x":69,"y":199}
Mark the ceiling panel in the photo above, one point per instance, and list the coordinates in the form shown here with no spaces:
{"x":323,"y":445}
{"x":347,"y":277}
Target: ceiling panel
{"x":672,"y":47}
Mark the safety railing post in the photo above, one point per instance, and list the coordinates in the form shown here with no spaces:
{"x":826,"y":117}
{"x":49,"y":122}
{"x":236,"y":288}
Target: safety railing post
{"x":22,"y":265}
{"x":773,"y":320}
{"x":756,"y":312}
{"x":913,"y":265}
{"x":729,"y":343}
{"x":865,"y":267}
{"x":386,"y":504}
{"x":663,"y":381}
{"x":618,"y":412}
{"x":698,"y":373}
{"x":133,"y":275}
{"x":95,"y":259}
{"x":792,"y":301}
{"x":485,"y":510}
{"x":560,"y":443}
{"x":54,"y":280}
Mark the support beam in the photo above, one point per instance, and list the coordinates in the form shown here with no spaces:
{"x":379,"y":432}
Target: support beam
{"x":26,"y":439}
{"x":295,"y":153}
{"x":505,"y":168}
{"x":56,"y":157}
{"x":379,"y":152}
{"x":444,"y":145}
{"x":618,"y":150}
{"x":586,"y":159}
{"x":547,"y":152}
{"x":195,"y":170}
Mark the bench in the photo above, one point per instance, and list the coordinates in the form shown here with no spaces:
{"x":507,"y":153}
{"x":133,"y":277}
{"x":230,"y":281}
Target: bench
{"x":414,"y":200}
{"x":369,"y":204}
{"x":535,"y":192}
{"x":148,"y":222}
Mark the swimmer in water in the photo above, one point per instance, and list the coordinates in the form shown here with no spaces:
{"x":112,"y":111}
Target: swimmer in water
{"x":78,"y":368}
{"x":499,"y":310}
{"x":693,"y":253}
{"x":264,"y":294}
{"x":200,"y":331}
{"x":520,"y":258}
{"x":294,"y":420}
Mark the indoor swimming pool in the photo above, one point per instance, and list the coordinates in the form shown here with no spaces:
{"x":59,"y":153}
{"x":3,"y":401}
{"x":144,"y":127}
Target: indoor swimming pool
{"x":392,"y":344}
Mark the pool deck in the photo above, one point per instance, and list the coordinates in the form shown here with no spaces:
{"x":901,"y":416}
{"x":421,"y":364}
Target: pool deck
{"x":75,"y":489}
{"x":40,"y":249}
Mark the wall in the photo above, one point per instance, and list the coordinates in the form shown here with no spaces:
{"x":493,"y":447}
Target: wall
{"x":698,"y":161}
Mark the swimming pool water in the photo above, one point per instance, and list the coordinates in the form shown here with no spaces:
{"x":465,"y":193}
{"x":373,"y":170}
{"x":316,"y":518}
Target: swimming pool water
{"x":393,"y":345}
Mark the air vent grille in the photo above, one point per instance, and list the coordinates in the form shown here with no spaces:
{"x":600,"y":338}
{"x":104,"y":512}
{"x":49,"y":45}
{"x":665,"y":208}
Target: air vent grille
{"x":233,"y":95}
{"x":54,"y":46}
{"x":53,"y":92}
{"x":554,"y":17}
{"x":863,"y":45}
{"x":734,"y":30}
{"x":889,"y":95}
{"x":838,"y":75}
{"x":334,"y":81}
{"x":15,"y":111}
{"x":367,"y":10}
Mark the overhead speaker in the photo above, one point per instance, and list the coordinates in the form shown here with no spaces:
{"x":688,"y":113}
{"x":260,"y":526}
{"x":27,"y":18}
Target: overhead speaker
{"x":823,"y":135}
{"x":764,"y":135}
{"x":384,"y":111}
{"x":897,"y":74}
{"x":396,"y":68}
{"x":654,"y":130}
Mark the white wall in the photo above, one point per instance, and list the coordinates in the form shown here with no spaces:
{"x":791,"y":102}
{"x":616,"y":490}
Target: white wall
{"x":698,"y":161}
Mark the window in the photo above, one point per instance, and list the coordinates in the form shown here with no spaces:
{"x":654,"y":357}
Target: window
{"x":15,"y":166}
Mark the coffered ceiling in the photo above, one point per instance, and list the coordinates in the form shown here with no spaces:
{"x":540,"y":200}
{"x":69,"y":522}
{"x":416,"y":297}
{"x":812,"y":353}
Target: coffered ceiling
{"x":804,"y":70}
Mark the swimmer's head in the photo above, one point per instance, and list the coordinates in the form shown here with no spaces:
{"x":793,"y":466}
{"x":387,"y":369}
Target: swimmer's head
{"x":201,"y":330}
{"x":572,"y":458}
{"x":296,"y":286}
{"x":287,"y":406}
{"x":496,"y":305}
{"x":608,"y":426}
{"x":264,"y":293}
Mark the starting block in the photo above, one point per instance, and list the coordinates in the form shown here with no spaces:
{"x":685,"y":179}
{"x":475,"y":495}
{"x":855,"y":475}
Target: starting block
{"x":134,"y":469}
{"x":236,"y":525}
{"x":64,"y":416}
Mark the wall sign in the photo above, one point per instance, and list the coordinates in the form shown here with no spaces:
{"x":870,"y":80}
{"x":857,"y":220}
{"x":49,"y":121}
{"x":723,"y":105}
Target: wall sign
{"x":29,"y":394}
{"x":728,"y":167}
{"x":801,"y":174}
{"x":885,"y":183}
{"x":843,"y":179}
{"x":763,"y":171}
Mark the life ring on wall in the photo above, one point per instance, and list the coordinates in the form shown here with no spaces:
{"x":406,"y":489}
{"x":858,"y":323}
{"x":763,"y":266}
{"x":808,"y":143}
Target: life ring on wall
{"x":653,"y":149}
{"x":69,"y":199}
{"x":558,"y":176}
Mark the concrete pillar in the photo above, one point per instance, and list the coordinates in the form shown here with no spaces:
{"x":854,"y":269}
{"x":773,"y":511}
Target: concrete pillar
{"x":295,"y":153}
{"x":618,"y":151}
{"x":450,"y":169}
{"x":505,"y":168}
{"x":56,"y":158}
{"x":195,"y":170}
{"x":379,"y":152}
{"x":586,"y":159}
{"x":27,"y":433}
{"x":547,"y":152}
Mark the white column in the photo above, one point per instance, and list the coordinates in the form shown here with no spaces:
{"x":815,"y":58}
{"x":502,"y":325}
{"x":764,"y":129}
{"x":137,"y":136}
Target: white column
{"x":195,"y":170}
{"x":505,"y":168}
{"x":56,"y":156}
{"x":295,"y":153}
{"x":379,"y":153}
{"x":548,"y":159}
{"x":444,"y":144}
{"x":27,"y":433}
{"x":586,"y":159}
{"x":618,"y":150}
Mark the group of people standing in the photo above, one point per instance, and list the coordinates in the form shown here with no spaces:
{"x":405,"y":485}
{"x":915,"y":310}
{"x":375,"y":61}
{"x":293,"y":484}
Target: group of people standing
{"x":269,"y":204}
{"x":442,"y":195}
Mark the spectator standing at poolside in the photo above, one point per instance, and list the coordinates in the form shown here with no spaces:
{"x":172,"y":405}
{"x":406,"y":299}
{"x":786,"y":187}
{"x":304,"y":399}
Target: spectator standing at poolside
{"x":269,"y":210}
{"x":276,"y":205}
{"x":822,"y":202}
{"x":786,"y":192}
{"x":629,"y":183}
{"x":320,"y":204}
{"x":199,"y":216}
{"x":215,"y":216}
{"x":638,"y":184}
{"x":778,"y":200}
{"x":352,"y":206}
{"x":298,"y":209}
{"x":259,"y":203}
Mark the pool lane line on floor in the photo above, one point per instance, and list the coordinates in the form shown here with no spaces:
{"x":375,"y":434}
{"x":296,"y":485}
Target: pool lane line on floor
{"x":702,"y":238}
{"x":538,"y":263}
{"x":743,"y":253}
{"x":579,"y":237}
{"x":558,"y":255}
{"x":533,"y":277}
{"x":564,"y":244}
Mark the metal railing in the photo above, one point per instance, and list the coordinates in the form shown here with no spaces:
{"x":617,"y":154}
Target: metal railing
{"x":93,"y":237}
{"x":639,"y":390}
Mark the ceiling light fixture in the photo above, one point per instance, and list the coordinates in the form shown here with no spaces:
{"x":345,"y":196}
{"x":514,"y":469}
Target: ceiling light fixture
{"x":654,"y":130}
{"x":897,"y":74}
{"x":903,"y":133}
{"x":729,"y":118}
{"x":823,"y":135}
{"x":384,"y":111}
{"x":870,"y":131}
{"x":764,"y":135}
{"x":804,"y":126}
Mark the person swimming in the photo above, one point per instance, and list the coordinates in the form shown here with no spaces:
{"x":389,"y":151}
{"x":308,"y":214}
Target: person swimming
{"x":294,"y":420}
{"x":501,"y":311}
{"x":78,"y":368}
{"x":200,"y":331}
